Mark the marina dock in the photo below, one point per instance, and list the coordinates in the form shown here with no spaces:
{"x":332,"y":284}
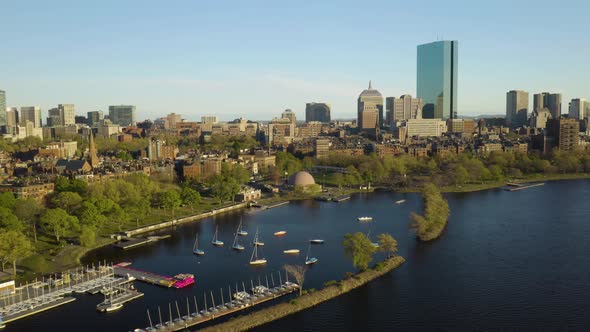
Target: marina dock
{"x":341,"y":198}
{"x":518,"y":186}
{"x":122,"y":296}
{"x":241,"y":300}
{"x":39,"y":296}
{"x":129,"y":243}
{"x":178,"y":281}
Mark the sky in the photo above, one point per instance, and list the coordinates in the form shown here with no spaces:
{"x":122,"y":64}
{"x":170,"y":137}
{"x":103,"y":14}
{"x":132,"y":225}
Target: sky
{"x":254,"y":59}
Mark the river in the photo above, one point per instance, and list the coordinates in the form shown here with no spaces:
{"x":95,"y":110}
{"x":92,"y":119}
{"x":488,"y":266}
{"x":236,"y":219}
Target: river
{"x":507,"y":261}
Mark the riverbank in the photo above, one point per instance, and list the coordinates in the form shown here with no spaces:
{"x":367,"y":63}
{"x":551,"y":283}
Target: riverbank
{"x":473,"y":187}
{"x":308,"y":300}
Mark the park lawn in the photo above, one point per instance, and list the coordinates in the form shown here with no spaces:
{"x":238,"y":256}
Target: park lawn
{"x":51,"y":257}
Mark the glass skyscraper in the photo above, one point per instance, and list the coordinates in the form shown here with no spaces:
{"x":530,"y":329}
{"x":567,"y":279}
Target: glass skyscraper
{"x":437,"y":79}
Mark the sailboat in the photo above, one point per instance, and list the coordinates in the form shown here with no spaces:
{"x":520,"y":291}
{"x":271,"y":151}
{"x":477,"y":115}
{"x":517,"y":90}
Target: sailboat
{"x":236,"y":245}
{"x":241,"y":231}
{"x":196,"y":249}
{"x":215,"y":240}
{"x":108,"y":305}
{"x":254,"y":260}
{"x":310,"y":260}
{"x":257,"y":241}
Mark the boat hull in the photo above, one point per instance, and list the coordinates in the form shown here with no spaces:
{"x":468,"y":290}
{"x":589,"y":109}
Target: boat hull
{"x":280,"y":233}
{"x":258,"y":262}
{"x":291,"y":251}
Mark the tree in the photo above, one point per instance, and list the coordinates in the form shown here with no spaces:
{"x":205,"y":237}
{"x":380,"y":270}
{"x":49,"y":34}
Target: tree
{"x":9,"y":221}
{"x":58,"y":222}
{"x":90,"y":215}
{"x":436,"y":213}
{"x":67,"y":200}
{"x":298,"y":272}
{"x":87,"y":236}
{"x":359,"y":249}
{"x":7,"y":200}
{"x":28,"y":211}
{"x":14,"y":245}
{"x":387,"y":243}
{"x":170,"y":200}
{"x":138,"y":209}
{"x":190,"y":197}
{"x":118,"y":216}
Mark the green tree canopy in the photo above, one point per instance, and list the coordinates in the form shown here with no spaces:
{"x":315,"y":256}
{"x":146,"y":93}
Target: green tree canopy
{"x":9,"y":221}
{"x":58,"y":222}
{"x":7,"y":200}
{"x":387,"y":243}
{"x":28,"y":211}
{"x":359,"y":249}
{"x":14,"y":245}
{"x":190,"y":197}
{"x":170,"y":200}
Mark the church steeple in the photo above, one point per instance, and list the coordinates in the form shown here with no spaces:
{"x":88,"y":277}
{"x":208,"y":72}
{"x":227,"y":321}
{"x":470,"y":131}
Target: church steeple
{"x":92,"y":151}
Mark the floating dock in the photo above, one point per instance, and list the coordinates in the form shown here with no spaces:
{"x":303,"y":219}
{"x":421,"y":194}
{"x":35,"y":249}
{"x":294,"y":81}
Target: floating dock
{"x":123,"y":296}
{"x":516,"y":186}
{"x":178,"y":281}
{"x":136,"y":242}
{"x":259,"y":295}
{"x":46,"y":294}
{"x":341,"y":198}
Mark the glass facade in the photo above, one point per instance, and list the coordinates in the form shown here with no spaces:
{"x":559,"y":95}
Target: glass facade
{"x":437,"y":79}
{"x":2,"y":108}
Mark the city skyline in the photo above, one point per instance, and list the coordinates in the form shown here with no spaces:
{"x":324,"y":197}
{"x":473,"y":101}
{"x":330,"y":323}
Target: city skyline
{"x":190,"y":66}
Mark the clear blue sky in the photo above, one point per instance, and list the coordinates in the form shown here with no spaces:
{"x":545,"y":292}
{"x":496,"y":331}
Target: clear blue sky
{"x":256,"y":58}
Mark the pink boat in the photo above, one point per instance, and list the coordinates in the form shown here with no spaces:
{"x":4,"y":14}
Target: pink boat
{"x":183,"y":280}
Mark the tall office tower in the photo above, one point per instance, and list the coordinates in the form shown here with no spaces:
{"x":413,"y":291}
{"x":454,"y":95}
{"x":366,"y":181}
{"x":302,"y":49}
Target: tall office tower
{"x":437,"y":79}
{"x":32,"y":114}
{"x":3,"y":108}
{"x":67,"y":113}
{"x":92,"y":150}
{"x":11,"y":116}
{"x":552,"y":101}
{"x":123,"y":115}
{"x":54,"y":117}
{"x":517,"y":108}
{"x":94,"y":117}
{"x":317,"y":112}
{"x":577,"y":109}
{"x":369,"y":109}
{"x":209,"y":119}
{"x":402,"y":108}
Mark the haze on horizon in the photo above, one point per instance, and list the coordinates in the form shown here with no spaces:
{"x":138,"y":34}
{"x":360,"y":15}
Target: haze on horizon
{"x":254,"y":59}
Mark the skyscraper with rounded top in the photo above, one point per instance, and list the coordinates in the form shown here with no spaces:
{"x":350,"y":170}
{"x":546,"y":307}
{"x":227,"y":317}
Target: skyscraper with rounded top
{"x":437,"y":70}
{"x":370,"y":109}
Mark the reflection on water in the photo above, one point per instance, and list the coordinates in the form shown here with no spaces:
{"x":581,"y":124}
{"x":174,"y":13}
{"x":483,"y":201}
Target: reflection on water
{"x":508,"y":260}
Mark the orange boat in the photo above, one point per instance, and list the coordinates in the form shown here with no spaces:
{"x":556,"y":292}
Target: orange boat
{"x":280,"y":233}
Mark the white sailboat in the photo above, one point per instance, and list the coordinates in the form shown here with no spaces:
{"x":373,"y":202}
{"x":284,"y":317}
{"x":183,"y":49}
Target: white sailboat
{"x":257,"y":241}
{"x":374,"y":244}
{"x":254,"y":260}
{"x":196,"y":249}
{"x":236,"y":245}
{"x":241,"y":231}
{"x":310,"y":260}
{"x":215,"y":240}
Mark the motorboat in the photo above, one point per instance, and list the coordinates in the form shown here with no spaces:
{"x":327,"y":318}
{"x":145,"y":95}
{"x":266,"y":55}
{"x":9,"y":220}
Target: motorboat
{"x":291,"y":251}
{"x":280,"y":233}
{"x":400,"y":201}
{"x":364,"y":218}
{"x":316,"y":241}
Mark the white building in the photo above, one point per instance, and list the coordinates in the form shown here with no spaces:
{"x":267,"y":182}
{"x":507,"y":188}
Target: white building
{"x":425,"y":127}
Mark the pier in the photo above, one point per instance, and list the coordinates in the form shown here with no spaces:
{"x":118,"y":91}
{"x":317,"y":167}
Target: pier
{"x":341,"y":198}
{"x":50,"y":293}
{"x":118,"y":296}
{"x":178,"y":281}
{"x":128,"y":243}
{"x":237,"y":300}
{"x":517,"y":186}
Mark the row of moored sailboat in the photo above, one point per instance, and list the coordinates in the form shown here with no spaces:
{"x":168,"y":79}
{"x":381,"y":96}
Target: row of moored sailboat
{"x":257,"y":242}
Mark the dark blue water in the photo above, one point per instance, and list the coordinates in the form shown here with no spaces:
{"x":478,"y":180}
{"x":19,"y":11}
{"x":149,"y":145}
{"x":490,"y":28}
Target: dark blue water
{"x":507,"y":261}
